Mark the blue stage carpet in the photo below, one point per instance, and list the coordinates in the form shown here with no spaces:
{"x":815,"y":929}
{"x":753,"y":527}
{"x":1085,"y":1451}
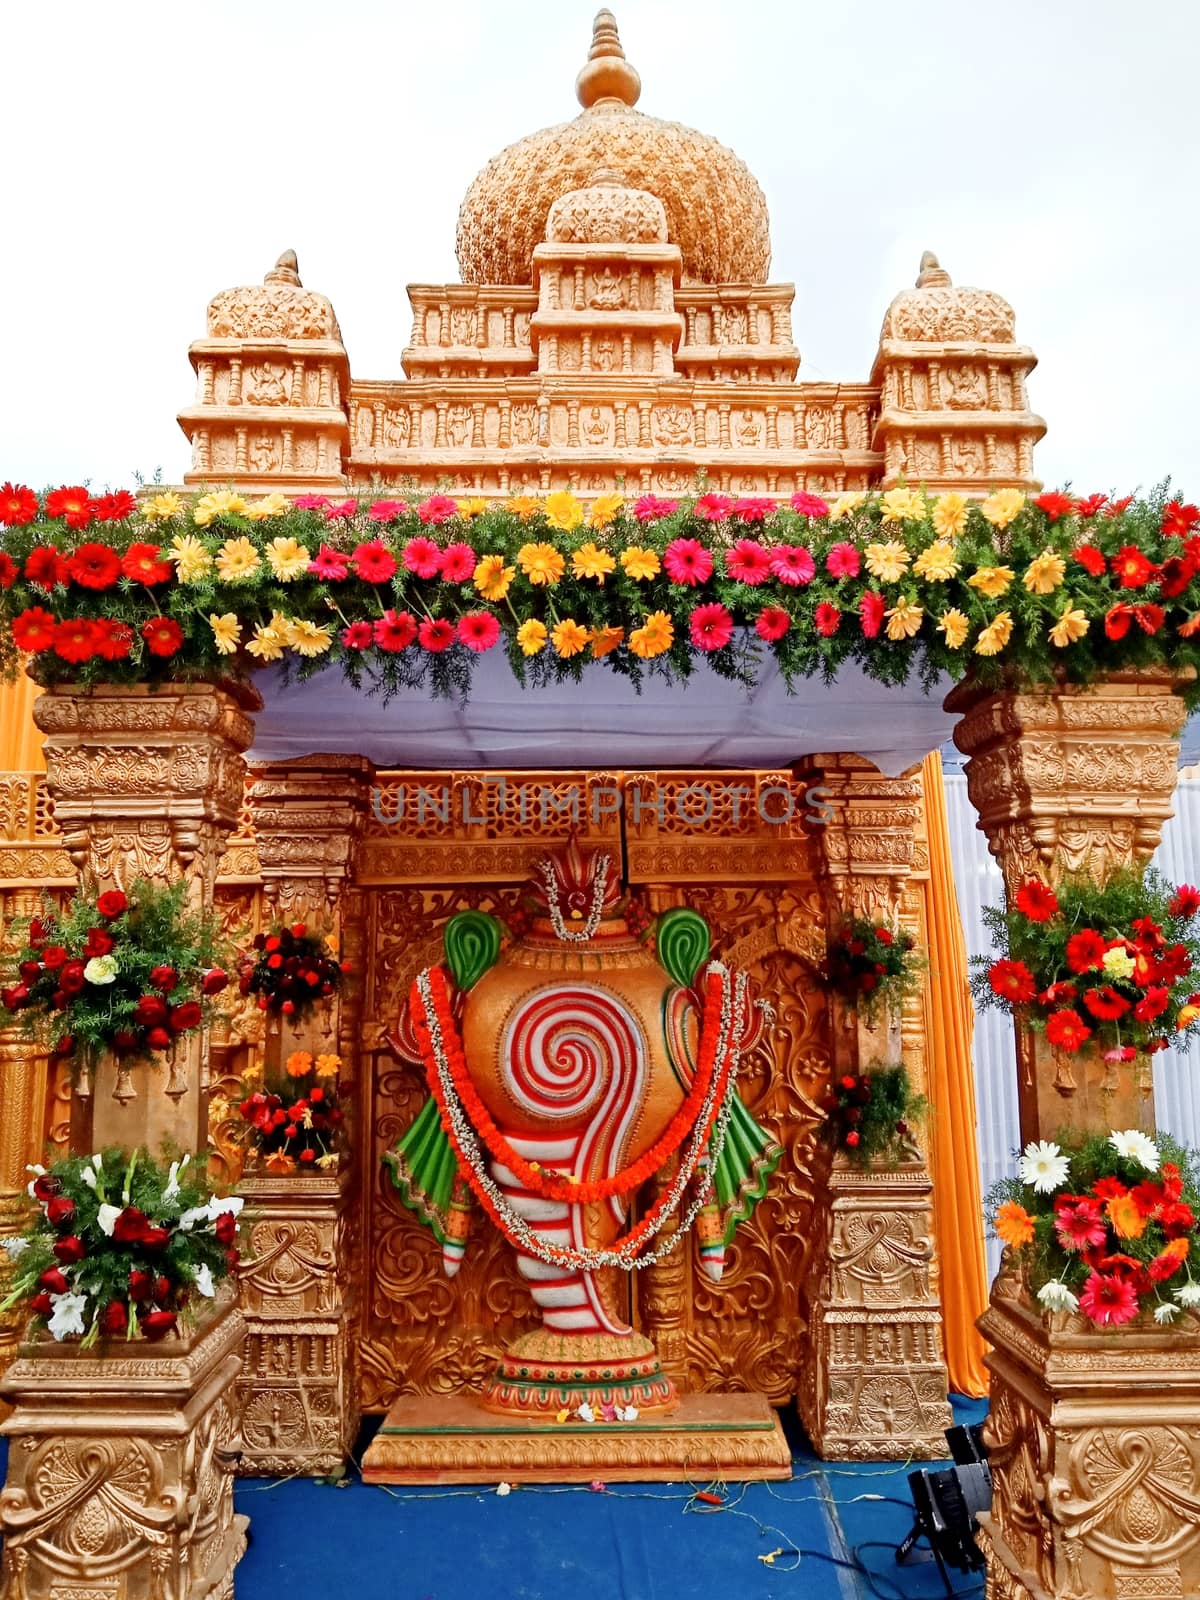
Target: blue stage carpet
{"x":628,"y":1543}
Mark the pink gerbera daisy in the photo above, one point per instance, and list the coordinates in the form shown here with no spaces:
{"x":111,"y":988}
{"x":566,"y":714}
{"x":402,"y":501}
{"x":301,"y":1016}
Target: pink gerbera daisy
{"x":843,"y":562}
{"x":650,"y":508}
{"x":772,"y":623}
{"x":423,"y":557}
{"x":478,"y":630}
{"x":339,"y":510}
{"x":809,"y":505}
{"x":687,"y":561}
{"x":374,"y":562}
{"x":438,"y":508}
{"x":871,"y":609}
{"x":714,"y":507}
{"x":1078,"y":1223}
{"x":1108,"y":1299}
{"x":331,"y":565}
{"x":753,"y":508}
{"x":436,"y":635}
{"x":827,"y":619}
{"x":358,"y":636}
{"x":711,"y":626}
{"x":310,"y":502}
{"x":793,"y":564}
{"x":387,"y":510}
{"x":395,"y":630}
{"x":458,"y":563}
{"x":748,"y":562}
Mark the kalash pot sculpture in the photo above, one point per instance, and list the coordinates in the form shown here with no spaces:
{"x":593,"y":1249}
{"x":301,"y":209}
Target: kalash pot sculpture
{"x":567,"y":1068}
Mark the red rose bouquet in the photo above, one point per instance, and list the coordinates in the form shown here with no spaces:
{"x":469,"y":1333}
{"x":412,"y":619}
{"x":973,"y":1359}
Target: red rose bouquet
{"x":871,"y":965}
{"x":298,"y":1127}
{"x":116,"y":972}
{"x":1105,"y":1226}
{"x":1113,"y":962}
{"x":291,"y":969}
{"x":871,"y":1115}
{"x":121,"y":1247}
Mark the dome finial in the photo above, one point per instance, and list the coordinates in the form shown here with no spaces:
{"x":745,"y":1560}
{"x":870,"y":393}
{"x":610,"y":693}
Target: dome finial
{"x":285,"y":270}
{"x":606,"y":74}
{"x":931,"y":275}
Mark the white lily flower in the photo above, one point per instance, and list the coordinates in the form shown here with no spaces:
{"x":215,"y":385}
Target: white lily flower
{"x":1134,"y":1145}
{"x":67,"y":1316}
{"x":98,"y":1161}
{"x":106,"y":1218}
{"x":204,"y":1281}
{"x":232,"y":1203}
{"x":88,"y":1177}
{"x":190,"y":1218}
{"x":171,"y":1192}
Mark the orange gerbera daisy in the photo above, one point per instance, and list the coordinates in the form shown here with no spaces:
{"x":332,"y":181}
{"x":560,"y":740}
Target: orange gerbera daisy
{"x":1014,"y":1225}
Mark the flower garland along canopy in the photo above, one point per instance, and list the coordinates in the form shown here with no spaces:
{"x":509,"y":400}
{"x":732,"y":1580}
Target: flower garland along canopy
{"x":693,"y":625}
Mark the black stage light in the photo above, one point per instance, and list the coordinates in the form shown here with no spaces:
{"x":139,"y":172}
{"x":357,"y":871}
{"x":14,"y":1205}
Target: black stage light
{"x":948,"y":1502}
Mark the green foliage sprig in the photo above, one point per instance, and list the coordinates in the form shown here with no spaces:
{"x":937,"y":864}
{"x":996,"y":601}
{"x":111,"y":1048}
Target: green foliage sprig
{"x":872,"y":1116}
{"x":873,"y":966}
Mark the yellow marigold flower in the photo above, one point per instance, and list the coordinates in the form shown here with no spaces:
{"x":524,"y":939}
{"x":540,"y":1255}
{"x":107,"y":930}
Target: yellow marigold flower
{"x":161,"y":506}
{"x":1072,"y":625}
{"x":640,"y":563}
{"x":563,"y":510}
{"x":327,"y":1066}
{"x":569,"y":638}
{"x":1013,"y":1224}
{"x":492,"y":577}
{"x":936,"y":563}
{"x":991,"y":581}
{"x":591,"y":562}
{"x":904,"y":619}
{"x":271,"y":505}
{"x":903,"y":505}
{"x":541,"y":563}
{"x":603,"y":509}
{"x":221,"y":504}
{"x":523,"y":506}
{"x":288,"y":559}
{"x":309,"y":638}
{"x":954,"y":625}
{"x":192,"y":560}
{"x":1003,"y":507}
{"x":227,"y":632}
{"x":237,"y":559}
{"x":995,"y":636}
{"x":656,"y":635}
{"x":845,"y":504}
{"x":532,"y":636}
{"x":468,"y":510}
{"x":267,"y":644}
{"x":950,"y":515}
{"x":888,"y":562}
{"x":298,"y":1064}
{"x":605,"y":639}
{"x":1045,"y":573}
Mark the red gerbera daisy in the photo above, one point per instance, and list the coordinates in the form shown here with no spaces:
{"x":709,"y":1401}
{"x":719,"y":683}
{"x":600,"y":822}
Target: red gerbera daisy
{"x":1078,"y":1222}
{"x":793,"y":564}
{"x":1108,"y":1300}
{"x":1109,"y":1189}
{"x":1091,"y":559}
{"x":1091,"y":505}
{"x":436,"y":636}
{"x":1012,"y":981}
{"x":395,"y":630}
{"x":374,"y":562}
{"x":772,"y":623}
{"x":713,"y":507}
{"x":1179,"y":520}
{"x":1174,"y":576}
{"x":809,"y":505}
{"x":45,"y":567}
{"x":423,"y":557}
{"x":650,"y":508}
{"x":748,"y":562}
{"x":143,"y":563}
{"x":1118,"y":506}
{"x":8,"y":571}
{"x":94,"y":566}
{"x":1036,"y":900}
{"x":1058,"y":994}
{"x":1174,"y":963}
{"x":1131,"y":568}
{"x":33,"y":630}
{"x":827,"y":619}
{"x":843,"y":561}
{"x":1149,"y":617}
{"x":711,"y":627}
{"x":331,"y":566}
{"x":114,"y":507}
{"x":1105,"y":1004}
{"x":76,"y":639}
{"x":73,"y":505}
{"x":478,"y":630}
{"x":687,"y":561}
{"x":753,"y":508}
{"x":1067,"y":1030}
{"x":114,"y":640}
{"x":1085,"y":950}
{"x":1185,"y":902}
{"x":1055,"y":505}
{"x":871,"y":610}
{"x":163,"y":636}
{"x":438,"y":508}
{"x":18,"y":505}
{"x":358,"y":636}
{"x":458,"y":563}
{"x":1117,"y":621}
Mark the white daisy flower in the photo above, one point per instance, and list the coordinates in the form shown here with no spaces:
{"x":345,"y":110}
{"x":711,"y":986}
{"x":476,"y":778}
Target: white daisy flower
{"x":1055,"y":1296}
{"x":1166,"y":1312}
{"x":1044,"y":1167}
{"x":67,"y":1316}
{"x":1188,"y":1294}
{"x":1134,"y":1145}
{"x":106,"y":1218}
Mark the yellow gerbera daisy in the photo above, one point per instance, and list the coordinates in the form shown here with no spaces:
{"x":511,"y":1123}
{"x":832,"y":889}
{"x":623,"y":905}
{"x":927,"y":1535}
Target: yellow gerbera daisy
{"x":327,"y":1066}
{"x":192,"y":560}
{"x":492,"y":577}
{"x":1045,"y":573}
{"x":1072,"y":625}
{"x":161,"y":506}
{"x":888,"y":562}
{"x":227,"y":632}
{"x":569,"y":638}
{"x":640,"y":563}
{"x":523,"y":506}
{"x":1003,"y":507}
{"x":656,"y":635}
{"x":591,"y":562}
{"x":541,"y":563}
{"x":937,"y":562}
{"x":845,"y":504}
{"x":604,"y":509}
{"x":309,"y":638}
{"x":288,"y":559}
{"x":954,"y":626}
{"x":563,"y":510}
{"x":532,"y":636}
{"x":991,"y":581}
{"x":468,"y":510}
{"x":904,"y":619}
{"x":903,"y":505}
{"x":223,"y":503}
{"x":237,"y":560}
{"x":271,"y":505}
{"x":605,"y":639}
{"x":266,"y":644}
{"x":995,"y":636}
{"x":950,"y":515}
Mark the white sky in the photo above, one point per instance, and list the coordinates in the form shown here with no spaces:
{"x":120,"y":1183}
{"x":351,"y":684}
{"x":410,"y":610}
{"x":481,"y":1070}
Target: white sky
{"x":154,"y":153}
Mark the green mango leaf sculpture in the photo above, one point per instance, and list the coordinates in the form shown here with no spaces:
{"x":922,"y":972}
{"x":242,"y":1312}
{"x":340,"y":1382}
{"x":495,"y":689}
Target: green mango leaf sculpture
{"x":472,"y":942}
{"x":683,"y":944}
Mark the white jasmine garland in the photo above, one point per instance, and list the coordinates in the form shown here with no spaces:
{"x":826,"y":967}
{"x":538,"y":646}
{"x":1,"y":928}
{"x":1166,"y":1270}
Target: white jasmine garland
{"x":1055,"y":1296}
{"x":1134,"y":1145}
{"x":561,"y":931}
{"x":1044,"y":1167}
{"x":106,"y":1218}
{"x":67,"y":1315}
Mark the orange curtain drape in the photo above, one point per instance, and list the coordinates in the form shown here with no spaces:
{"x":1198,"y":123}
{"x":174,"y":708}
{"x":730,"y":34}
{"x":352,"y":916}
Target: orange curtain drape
{"x":954,"y":1159}
{"x":20,"y":741}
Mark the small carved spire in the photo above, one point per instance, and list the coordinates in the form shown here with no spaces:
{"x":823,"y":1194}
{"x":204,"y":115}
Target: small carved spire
{"x":606,"y":75}
{"x":285,"y":270}
{"x":931,"y":275}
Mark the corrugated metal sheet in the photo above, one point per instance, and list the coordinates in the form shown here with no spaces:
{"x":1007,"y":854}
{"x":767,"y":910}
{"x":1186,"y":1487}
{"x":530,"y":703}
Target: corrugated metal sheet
{"x":978,"y":883}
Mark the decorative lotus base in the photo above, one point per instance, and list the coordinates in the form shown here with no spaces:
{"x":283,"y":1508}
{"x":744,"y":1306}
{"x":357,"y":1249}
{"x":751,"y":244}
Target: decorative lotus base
{"x":452,"y":1439}
{"x":545,"y":1372}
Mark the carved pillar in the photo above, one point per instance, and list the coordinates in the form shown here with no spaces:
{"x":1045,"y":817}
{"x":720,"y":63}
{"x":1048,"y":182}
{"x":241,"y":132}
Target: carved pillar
{"x":146,"y":784}
{"x":874,"y":1385}
{"x":299,"y":1386}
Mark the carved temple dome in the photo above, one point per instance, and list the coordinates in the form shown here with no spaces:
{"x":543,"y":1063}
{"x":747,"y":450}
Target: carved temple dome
{"x":716,"y":213}
{"x":936,"y":310}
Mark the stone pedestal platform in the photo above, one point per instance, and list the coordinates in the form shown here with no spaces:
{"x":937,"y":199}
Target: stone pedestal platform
{"x":120,"y":1468}
{"x":452,"y":1439}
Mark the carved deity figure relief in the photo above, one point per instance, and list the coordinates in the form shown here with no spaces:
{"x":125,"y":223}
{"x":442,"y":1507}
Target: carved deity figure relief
{"x":396,"y":429}
{"x":265,"y":453}
{"x":673,"y":425}
{"x":927,"y":456}
{"x":608,"y":291}
{"x":364,"y":428}
{"x":306,"y":455}
{"x":856,"y":430}
{"x":223,"y":452}
{"x":524,"y":424}
{"x":749,"y":429}
{"x":604,"y":355}
{"x":968,"y":456}
{"x":674,"y":482}
{"x":596,"y":427}
{"x":521,"y":329}
{"x":462,"y":325}
{"x":458,"y":425}
{"x":729,"y":325}
{"x":818,"y":427}
{"x":267,"y":386}
{"x":569,"y":355}
{"x":965,"y":388}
